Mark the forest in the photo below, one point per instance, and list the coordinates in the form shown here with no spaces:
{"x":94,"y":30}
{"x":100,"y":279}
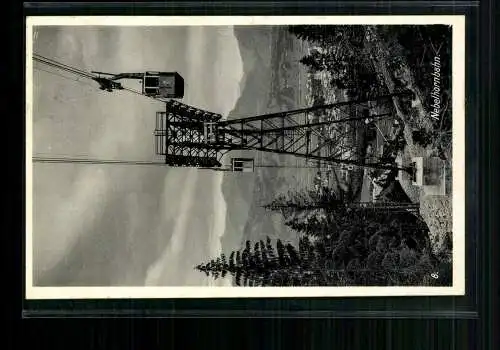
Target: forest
{"x":342,"y":244}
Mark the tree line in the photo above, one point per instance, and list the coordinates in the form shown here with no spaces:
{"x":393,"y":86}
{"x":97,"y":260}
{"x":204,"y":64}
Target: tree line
{"x":340,"y":51}
{"x":340,"y":245}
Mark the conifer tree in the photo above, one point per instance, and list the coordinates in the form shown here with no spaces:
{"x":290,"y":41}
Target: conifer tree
{"x":313,"y":62}
{"x":310,"y":212}
{"x":263,"y":266}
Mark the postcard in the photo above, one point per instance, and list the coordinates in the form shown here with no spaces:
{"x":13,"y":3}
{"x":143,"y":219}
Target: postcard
{"x":207,"y":157}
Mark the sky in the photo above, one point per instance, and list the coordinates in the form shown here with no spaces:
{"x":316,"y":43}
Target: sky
{"x":118,"y":225}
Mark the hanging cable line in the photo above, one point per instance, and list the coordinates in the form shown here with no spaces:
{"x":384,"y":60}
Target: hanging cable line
{"x":81,"y":73}
{"x":287,"y":166}
{"x":66,"y":77}
{"x":62,"y":66}
{"x":96,"y":161}
{"x":69,"y":160}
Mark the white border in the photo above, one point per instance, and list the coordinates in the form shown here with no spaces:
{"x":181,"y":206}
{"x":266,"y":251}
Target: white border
{"x":458,"y":92}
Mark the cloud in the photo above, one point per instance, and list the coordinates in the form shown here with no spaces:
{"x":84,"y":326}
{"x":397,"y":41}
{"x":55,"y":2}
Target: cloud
{"x":219,"y":212}
{"x":168,"y":262}
{"x":56,"y":235}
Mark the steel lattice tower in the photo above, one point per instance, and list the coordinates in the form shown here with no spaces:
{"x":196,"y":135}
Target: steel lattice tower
{"x":193,"y":137}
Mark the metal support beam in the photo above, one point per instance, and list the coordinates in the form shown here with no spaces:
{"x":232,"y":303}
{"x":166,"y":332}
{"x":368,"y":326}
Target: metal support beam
{"x":185,"y":133}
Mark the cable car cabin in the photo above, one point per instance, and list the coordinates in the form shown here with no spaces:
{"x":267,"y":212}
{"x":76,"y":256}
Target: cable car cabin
{"x":163,"y":84}
{"x":245,"y":165}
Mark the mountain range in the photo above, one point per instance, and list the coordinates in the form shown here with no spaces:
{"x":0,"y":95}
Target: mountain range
{"x":245,"y":193}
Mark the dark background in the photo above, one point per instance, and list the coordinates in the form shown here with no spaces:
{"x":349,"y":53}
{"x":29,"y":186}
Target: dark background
{"x":465,"y":321}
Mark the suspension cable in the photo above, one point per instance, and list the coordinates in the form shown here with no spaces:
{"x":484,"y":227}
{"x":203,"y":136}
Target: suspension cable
{"x":62,"y":66}
{"x":66,"y":77}
{"x":76,"y":71}
{"x":71,"y":160}
{"x":97,"y":161}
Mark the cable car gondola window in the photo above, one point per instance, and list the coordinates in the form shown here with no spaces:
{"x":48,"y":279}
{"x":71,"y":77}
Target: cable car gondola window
{"x":152,"y":82}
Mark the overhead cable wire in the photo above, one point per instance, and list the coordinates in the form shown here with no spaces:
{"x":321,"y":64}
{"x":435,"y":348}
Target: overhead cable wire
{"x":96,"y":161}
{"x":66,"y":77}
{"x":62,"y":66}
{"x":70,"y":160}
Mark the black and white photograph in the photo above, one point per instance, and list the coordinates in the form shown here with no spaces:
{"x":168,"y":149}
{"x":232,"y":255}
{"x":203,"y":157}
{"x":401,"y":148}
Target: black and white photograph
{"x":226,"y":156}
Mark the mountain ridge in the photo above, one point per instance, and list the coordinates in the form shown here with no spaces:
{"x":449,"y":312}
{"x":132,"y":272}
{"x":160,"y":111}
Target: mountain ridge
{"x":263,"y":87}
{"x":255,"y":44}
